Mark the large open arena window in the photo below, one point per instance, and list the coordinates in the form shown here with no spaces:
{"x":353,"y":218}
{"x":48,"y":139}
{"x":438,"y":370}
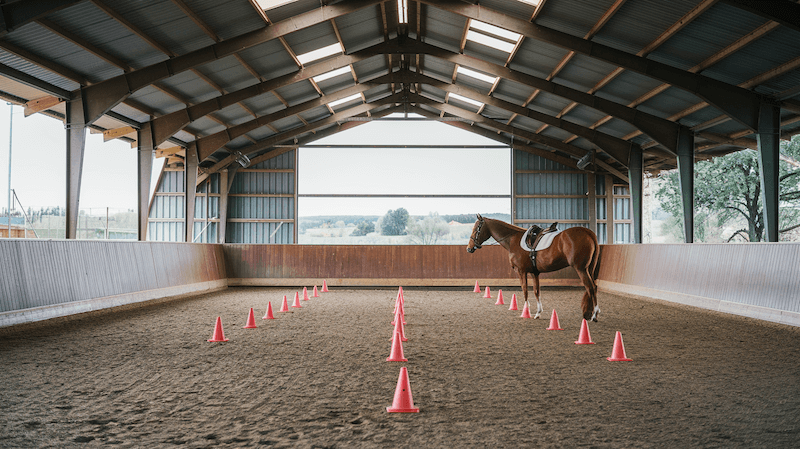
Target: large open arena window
{"x":355,"y":187}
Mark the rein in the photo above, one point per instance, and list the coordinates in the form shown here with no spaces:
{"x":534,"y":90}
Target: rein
{"x":478,"y":232}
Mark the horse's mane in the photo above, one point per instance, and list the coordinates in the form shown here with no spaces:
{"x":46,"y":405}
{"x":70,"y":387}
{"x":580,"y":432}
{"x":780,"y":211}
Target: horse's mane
{"x":508,"y":226}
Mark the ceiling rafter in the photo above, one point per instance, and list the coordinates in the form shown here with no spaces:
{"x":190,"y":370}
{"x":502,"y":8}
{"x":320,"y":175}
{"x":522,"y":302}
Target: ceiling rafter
{"x":649,"y":48}
{"x":663,"y":130}
{"x":106,"y":94}
{"x":568,"y":57}
{"x":740,"y":104}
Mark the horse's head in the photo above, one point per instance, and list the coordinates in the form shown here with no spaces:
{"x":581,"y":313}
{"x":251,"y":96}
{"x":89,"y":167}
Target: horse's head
{"x":480,"y":234}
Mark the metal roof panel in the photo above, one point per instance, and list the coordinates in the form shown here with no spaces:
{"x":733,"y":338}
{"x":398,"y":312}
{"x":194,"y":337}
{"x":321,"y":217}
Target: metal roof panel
{"x":269,"y":59}
{"x":227,"y":19}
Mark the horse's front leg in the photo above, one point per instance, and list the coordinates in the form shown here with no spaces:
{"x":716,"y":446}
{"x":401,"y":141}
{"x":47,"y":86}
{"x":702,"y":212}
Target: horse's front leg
{"x":536,"y":291}
{"x":523,"y":282}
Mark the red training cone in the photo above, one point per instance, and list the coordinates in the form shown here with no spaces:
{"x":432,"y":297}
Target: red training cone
{"x":324,"y":287}
{"x":285,"y":305}
{"x":268,"y":315}
{"x":403,"y":401}
{"x":305,"y":294}
{"x":513,"y":302}
{"x":487,"y":294}
{"x":400,"y":296}
{"x":296,"y":303}
{"x":219,"y":334}
{"x":500,"y":298}
{"x":618,"y":354}
{"x":477,"y":288}
{"x":251,"y":320}
{"x":399,"y":327}
{"x":397,"y":350}
{"x":316,"y":293}
{"x":585,"y":338}
{"x":554,"y":326}
{"x":398,"y":311}
{"x":526,"y":311}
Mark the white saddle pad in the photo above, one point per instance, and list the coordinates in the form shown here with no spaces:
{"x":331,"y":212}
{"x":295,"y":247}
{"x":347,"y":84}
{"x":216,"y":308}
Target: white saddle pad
{"x":545,"y":242}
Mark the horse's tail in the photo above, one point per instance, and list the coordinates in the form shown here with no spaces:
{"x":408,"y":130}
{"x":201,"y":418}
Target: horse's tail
{"x":594,"y":262}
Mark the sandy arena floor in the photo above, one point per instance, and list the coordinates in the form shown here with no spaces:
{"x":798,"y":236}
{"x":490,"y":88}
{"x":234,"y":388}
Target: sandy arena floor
{"x":318,"y":376}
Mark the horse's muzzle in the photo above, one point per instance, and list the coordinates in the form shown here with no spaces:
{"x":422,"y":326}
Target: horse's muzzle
{"x":470,"y":250}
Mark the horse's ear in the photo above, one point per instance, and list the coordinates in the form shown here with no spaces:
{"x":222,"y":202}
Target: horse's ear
{"x":479,"y":216}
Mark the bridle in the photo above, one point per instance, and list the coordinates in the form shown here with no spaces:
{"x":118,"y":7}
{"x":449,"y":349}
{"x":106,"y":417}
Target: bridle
{"x":473,"y":237}
{"x":476,"y":233}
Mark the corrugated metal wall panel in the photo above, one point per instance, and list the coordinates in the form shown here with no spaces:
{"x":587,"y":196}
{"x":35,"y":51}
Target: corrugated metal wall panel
{"x":717,"y":271}
{"x":41,"y":272}
{"x":260,"y":232}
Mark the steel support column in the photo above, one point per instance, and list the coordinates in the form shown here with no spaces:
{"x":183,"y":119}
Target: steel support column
{"x":225,"y":183}
{"x":635,"y":171}
{"x":686,"y":174}
{"x":146,"y":156}
{"x":76,"y":143}
{"x":769,"y":129}
{"x":190,"y":167}
{"x":591,"y":182}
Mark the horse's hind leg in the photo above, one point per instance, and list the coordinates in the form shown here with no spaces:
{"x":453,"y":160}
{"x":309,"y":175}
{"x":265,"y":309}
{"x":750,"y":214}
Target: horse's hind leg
{"x":537,"y":292}
{"x":589,"y":301}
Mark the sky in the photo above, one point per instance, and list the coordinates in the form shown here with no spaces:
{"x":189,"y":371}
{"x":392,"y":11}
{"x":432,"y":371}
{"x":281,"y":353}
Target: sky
{"x":38,"y":169}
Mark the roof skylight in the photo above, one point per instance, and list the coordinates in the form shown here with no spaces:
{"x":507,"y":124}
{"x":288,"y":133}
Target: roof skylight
{"x":531,"y":2}
{"x":272,"y":4}
{"x":331,"y":74}
{"x":476,"y":75}
{"x":402,"y":11}
{"x":344,"y":100}
{"x":466,"y":100}
{"x":492,"y":36}
{"x":320,"y":53}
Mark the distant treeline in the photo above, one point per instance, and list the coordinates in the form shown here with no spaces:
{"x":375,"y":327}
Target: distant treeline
{"x":355,"y":219}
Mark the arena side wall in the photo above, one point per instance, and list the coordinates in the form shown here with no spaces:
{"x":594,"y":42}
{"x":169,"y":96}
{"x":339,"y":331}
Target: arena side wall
{"x":44,"y":279}
{"x":758,"y":280}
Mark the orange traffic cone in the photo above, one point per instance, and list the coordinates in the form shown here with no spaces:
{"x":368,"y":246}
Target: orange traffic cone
{"x":268,"y":315}
{"x":305,"y":294}
{"x":513,"y":302}
{"x":403,"y":401}
{"x":585,"y":338}
{"x":296,"y":303}
{"x":554,"y":326}
{"x":251,"y":320}
{"x":316,"y":293}
{"x":324,"y":287}
{"x":285,"y":305}
{"x":618,"y":354}
{"x":500,"y":298}
{"x":526,"y":311}
{"x":397,"y":350}
{"x":477,"y":288}
{"x":487,"y":294}
{"x":219,"y":334}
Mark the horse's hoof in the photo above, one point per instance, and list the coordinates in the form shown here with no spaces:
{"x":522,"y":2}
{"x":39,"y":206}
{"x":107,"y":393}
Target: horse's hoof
{"x":594,"y":319}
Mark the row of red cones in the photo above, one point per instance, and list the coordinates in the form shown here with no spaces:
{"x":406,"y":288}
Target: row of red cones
{"x":403,"y":401}
{"x":584,"y":338}
{"x":219,"y":333}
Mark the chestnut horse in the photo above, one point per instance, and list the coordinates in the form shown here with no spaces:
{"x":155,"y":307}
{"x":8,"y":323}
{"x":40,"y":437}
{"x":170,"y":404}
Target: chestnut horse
{"x":576,"y":247}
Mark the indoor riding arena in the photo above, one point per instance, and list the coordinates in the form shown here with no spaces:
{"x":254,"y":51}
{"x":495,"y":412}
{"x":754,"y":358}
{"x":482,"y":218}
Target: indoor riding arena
{"x":220,"y":324}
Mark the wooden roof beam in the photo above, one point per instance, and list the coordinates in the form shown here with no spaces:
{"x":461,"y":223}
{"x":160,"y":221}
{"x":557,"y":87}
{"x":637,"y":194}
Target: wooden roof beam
{"x":663,"y":131}
{"x":106,"y":94}
{"x":741,"y":104}
{"x":209,"y":144}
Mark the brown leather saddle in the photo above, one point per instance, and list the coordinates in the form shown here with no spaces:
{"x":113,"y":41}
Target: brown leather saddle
{"x":533,"y":236}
